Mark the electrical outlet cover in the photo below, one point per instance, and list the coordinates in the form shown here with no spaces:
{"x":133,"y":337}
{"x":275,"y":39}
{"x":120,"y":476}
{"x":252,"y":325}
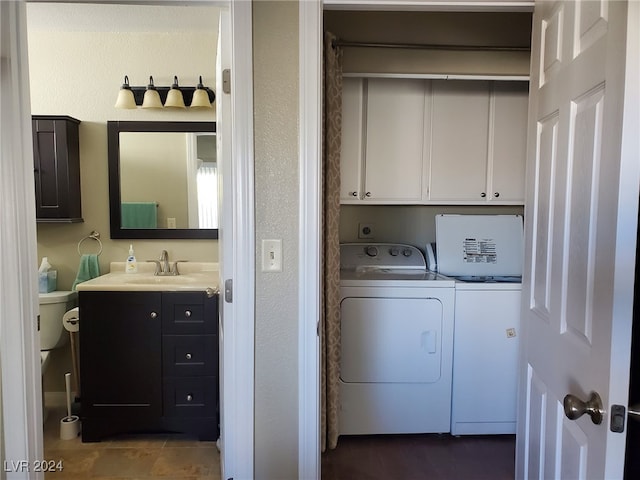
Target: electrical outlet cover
{"x":365,"y":230}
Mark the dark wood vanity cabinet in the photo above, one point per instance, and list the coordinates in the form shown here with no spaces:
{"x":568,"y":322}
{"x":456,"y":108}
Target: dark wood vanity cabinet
{"x":149,"y":362}
{"x":56,"y":158}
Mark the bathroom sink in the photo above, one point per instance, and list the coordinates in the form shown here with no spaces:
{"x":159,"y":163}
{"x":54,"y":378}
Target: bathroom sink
{"x":168,"y":280}
{"x":194,"y":276}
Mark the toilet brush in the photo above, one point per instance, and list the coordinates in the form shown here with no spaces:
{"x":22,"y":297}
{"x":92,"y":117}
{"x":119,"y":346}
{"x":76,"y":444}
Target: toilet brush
{"x":69,"y":425}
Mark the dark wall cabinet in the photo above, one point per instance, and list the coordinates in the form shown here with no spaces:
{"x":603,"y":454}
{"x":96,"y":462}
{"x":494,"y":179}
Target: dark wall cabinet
{"x":56,"y":159}
{"x":149,"y":362}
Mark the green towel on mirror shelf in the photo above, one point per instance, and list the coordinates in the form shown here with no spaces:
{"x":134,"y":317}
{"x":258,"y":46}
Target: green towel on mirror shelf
{"x":139,"y":215}
{"x":87,"y":269}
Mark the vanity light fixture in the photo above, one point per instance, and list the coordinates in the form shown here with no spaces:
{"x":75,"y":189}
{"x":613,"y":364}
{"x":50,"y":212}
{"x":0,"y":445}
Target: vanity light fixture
{"x":151,"y":96}
{"x":200,"y":97}
{"x":176,"y":96}
{"x":125,"y":96}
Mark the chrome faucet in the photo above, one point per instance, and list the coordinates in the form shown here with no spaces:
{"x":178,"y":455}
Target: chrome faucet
{"x":164,"y":262}
{"x":163,"y":268}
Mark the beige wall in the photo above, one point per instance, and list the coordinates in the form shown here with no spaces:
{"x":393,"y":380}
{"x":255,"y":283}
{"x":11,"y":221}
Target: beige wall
{"x":440,"y":28}
{"x":78,"y":73}
{"x":414,"y":225}
{"x":146,"y":179}
{"x":275,"y":63}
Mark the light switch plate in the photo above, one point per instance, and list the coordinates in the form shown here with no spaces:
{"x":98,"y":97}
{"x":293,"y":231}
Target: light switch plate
{"x":272,"y":255}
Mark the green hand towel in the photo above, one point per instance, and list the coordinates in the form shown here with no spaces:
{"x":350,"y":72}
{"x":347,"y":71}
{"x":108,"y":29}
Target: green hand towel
{"x":87,"y":270}
{"x":139,"y":214}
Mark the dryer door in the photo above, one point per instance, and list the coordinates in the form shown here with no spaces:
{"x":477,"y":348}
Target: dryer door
{"x":391,"y":340}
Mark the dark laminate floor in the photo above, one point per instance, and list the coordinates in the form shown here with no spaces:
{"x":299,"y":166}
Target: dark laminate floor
{"x":432,"y":457}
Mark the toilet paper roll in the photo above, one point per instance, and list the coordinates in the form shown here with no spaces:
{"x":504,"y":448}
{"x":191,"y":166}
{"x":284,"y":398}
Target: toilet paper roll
{"x":71,"y":320}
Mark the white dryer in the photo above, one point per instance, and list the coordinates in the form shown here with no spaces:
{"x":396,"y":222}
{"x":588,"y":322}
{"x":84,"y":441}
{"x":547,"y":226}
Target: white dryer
{"x":397,"y":342}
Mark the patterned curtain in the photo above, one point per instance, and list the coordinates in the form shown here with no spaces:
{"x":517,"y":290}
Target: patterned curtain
{"x":332,"y":130}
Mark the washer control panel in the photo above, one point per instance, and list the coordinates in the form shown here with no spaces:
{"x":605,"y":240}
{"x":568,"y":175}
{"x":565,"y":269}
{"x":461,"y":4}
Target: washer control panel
{"x":393,"y":256}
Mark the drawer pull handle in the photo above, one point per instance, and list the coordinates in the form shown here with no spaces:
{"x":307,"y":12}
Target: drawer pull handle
{"x":189,"y":397}
{"x":188,"y":356}
{"x":187,"y":313}
{"x":153,"y":315}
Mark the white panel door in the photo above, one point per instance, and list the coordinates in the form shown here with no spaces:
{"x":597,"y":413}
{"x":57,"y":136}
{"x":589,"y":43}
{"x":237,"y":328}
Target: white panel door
{"x":459,"y":135}
{"x":581,"y":226}
{"x":395,"y":136}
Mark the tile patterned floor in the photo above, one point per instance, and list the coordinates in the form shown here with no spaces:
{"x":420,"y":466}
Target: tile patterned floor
{"x":129,"y":457}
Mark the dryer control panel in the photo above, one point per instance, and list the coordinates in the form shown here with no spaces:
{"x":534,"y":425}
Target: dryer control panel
{"x":392,"y":256}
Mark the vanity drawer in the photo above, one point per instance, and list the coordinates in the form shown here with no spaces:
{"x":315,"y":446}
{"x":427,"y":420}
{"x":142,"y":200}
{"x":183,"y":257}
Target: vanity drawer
{"x":190,"y":397}
{"x":189,"y":313}
{"x":189,"y":355}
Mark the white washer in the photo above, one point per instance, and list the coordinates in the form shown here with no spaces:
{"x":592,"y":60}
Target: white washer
{"x":485,"y":361}
{"x":484,"y":252}
{"x":397,"y":341}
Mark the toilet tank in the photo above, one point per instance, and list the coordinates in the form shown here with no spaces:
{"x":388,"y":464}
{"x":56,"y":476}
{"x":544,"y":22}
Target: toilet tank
{"x":53,"y":306}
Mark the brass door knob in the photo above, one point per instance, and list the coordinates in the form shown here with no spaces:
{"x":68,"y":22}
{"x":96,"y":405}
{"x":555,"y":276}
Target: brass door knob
{"x":574,"y":408}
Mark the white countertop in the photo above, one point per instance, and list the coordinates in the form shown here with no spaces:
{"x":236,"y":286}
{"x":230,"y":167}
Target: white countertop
{"x":194,"y":276}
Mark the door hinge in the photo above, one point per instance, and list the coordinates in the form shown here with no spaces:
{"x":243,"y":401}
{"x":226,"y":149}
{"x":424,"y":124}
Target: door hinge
{"x":226,"y":80}
{"x":228,"y":290}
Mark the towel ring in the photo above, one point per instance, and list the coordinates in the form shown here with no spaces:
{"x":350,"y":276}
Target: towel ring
{"x":94,"y":236}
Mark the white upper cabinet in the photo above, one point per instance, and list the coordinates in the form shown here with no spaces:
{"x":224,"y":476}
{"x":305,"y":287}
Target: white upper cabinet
{"x":417,"y":141}
{"x":352,"y":139}
{"x":459,"y":136}
{"x":478,"y":141}
{"x":394,"y":140}
{"x":382,"y":140}
{"x":508,"y":152}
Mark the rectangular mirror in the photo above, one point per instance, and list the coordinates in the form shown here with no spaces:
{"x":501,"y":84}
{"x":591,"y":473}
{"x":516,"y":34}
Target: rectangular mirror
{"x":163,"y":180}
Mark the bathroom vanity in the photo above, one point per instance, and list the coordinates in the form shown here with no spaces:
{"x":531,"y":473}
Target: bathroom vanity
{"x":148,"y":356}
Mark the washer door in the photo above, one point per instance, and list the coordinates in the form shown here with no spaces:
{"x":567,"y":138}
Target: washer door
{"x":391,"y":340}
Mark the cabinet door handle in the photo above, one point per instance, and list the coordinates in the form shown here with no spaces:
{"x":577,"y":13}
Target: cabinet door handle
{"x":354,"y":194}
{"x":187,"y":313}
{"x":368,"y":194}
{"x":189,"y":397}
{"x":188,"y":356}
{"x":497,"y":194}
{"x":483,"y":194}
{"x":153,"y":315}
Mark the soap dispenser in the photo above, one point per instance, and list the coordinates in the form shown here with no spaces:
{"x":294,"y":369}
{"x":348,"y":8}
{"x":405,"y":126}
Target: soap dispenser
{"x":132,"y":264}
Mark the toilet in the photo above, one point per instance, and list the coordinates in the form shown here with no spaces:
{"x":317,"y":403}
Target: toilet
{"x":53,"y":306}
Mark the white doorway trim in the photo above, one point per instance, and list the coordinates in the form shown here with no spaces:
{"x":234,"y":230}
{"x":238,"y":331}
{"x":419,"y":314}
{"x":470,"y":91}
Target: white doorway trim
{"x":238,"y":257}
{"x":21,"y":435}
{"x":310,"y":162}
